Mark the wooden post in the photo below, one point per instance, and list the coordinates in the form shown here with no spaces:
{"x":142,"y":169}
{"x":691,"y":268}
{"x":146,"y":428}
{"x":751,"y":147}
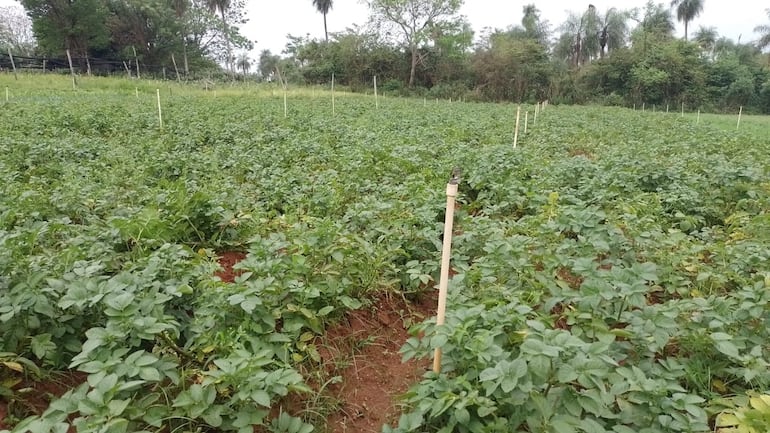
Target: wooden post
{"x":376,"y":100}
{"x":526,"y":121}
{"x":516,"y":130}
{"x":138,"y":76}
{"x":44,"y":69}
{"x":537,"y":110}
{"x":176,"y":70}
{"x":7,"y":94}
{"x":451,"y":193}
{"x":666,"y":108}
{"x":643,"y":107}
{"x":333,"y":108}
{"x":136,"y":92}
{"x":13,"y":64}
{"x":424,"y":101}
{"x":697,"y":122}
{"x":72,"y":70}
{"x":740,"y":113}
{"x":285,"y":103}
{"x":160,"y":114}
{"x":634,"y":106}
{"x":682,"y":108}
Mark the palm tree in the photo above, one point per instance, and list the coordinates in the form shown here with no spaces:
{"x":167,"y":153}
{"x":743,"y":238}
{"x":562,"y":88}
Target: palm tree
{"x":764,"y":38}
{"x":244,"y":63}
{"x":180,"y":9}
{"x":324,"y":6}
{"x":706,"y":38}
{"x":614,"y":30}
{"x":583,"y":30}
{"x":687,"y":10}
{"x":222,"y":6}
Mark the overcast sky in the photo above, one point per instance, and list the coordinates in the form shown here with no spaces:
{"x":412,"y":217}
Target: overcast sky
{"x":270,"y":21}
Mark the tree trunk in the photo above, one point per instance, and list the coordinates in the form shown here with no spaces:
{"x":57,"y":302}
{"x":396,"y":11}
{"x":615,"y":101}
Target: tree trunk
{"x":326,"y":32}
{"x":184,"y":54}
{"x":685,"y":30}
{"x":414,"y":66}
{"x":229,"y":61}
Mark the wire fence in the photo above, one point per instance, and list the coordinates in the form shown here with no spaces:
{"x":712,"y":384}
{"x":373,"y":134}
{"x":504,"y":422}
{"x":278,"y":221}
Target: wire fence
{"x":84,"y":65}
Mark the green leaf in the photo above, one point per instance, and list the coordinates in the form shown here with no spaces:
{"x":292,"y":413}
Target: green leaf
{"x":261,"y":398}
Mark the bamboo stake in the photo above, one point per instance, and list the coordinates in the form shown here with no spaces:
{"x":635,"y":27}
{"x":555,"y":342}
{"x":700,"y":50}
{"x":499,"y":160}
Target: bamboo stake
{"x":376,"y":101}
{"x":72,"y":70}
{"x":740,"y":113}
{"x":451,"y":193}
{"x":516,"y":130}
{"x":526,"y":121}
{"x":334,"y":110}
{"x":13,"y":64}
{"x":160,"y":115}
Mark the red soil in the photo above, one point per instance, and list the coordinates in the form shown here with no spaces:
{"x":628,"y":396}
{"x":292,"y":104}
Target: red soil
{"x":32,"y":398}
{"x":226,"y":260}
{"x":375,"y":377}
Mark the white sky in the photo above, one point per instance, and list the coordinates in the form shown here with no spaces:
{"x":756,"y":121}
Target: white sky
{"x":270,"y":22}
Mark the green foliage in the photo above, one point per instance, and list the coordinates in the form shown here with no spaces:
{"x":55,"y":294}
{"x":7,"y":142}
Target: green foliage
{"x":609,"y":273}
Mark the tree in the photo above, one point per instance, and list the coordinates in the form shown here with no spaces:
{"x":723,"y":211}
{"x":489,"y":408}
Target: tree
{"x":764,"y":31}
{"x":414,"y":20}
{"x":613,"y":30}
{"x":324,"y":6}
{"x":75,"y":25}
{"x":244,"y":63}
{"x":222,"y":6}
{"x":534,"y":27}
{"x":686,"y":11}
{"x":180,"y":9}
{"x":267,"y":63}
{"x":706,"y":38}
{"x":16,"y":31}
{"x":583,"y":31}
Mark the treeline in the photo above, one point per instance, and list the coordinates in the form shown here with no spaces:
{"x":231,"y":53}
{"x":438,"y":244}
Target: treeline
{"x":198,"y":34}
{"x":612,"y":57}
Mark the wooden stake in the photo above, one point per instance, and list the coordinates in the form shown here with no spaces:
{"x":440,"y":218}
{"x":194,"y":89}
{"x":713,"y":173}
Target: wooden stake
{"x":424,"y":102}
{"x":7,"y":95}
{"x":138,"y":76}
{"x":634,"y":106}
{"x":136,"y":92}
{"x":516,"y":130}
{"x":176,"y":69}
{"x":72,"y":70}
{"x":13,"y":64}
{"x":682,"y":108}
{"x":285,"y":103}
{"x":376,"y":101}
{"x":643,"y":107}
{"x":451,"y":193}
{"x":160,"y":114}
{"x":740,"y":113}
{"x":526,"y":121}
{"x":697,"y":122}
{"x":666,"y":108}
{"x":333,"y":107}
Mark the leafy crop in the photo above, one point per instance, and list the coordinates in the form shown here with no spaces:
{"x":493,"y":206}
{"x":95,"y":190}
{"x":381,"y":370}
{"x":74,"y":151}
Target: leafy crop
{"x":609,"y":274}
